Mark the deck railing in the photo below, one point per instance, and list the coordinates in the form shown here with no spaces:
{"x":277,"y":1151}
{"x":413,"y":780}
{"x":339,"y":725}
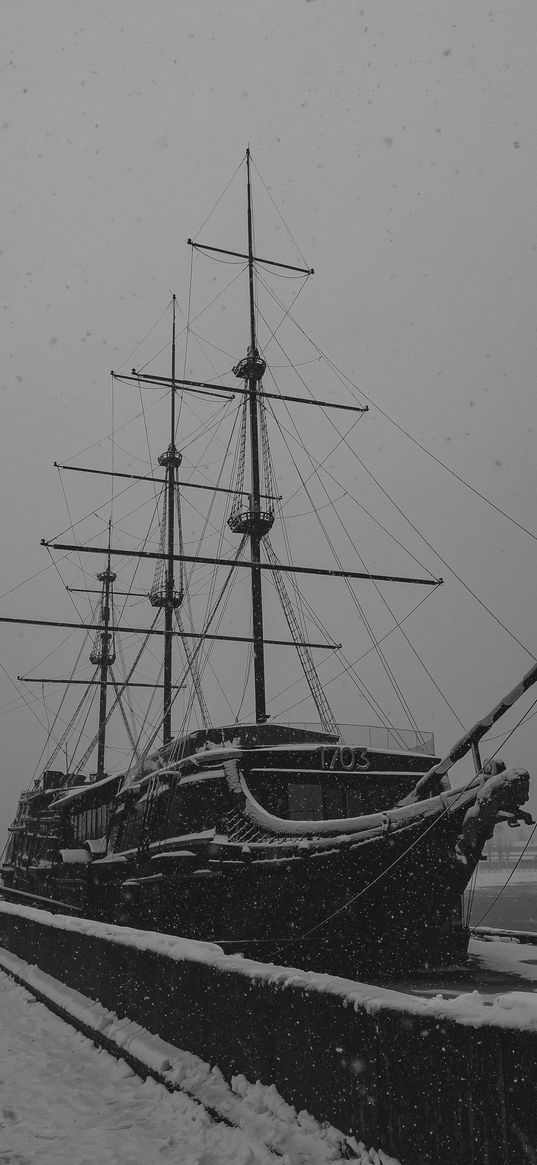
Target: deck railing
{"x":376,"y":736}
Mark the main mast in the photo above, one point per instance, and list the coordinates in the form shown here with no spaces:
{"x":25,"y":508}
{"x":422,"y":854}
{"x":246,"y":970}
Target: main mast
{"x":256,"y":522}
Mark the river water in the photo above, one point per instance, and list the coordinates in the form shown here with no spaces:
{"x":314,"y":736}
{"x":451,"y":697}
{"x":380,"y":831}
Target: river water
{"x":512,"y":908}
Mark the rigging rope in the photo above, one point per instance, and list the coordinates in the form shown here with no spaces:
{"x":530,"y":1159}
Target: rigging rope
{"x":278,"y":211}
{"x":326,"y":716}
{"x":348,"y":670}
{"x":203,"y":633}
{"x":119,"y":695}
{"x":388,"y":670}
{"x":300,"y":602}
{"x":349,"y":383}
{"x":220,"y":197}
{"x":237,"y":504}
{"x":354,"y":597}
{"x":144,"y":338}
{"x":245,"y":686}
{"x":193,"y":669}
{"x":128,"y":699}
{"x":434,"y":824}
{"x":345,"y":379}
{"x":82,"y":732}
{"x":345,"y":439}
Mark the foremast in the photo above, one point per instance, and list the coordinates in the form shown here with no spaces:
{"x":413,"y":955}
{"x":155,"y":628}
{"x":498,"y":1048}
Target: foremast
{"x":103,"y":657}
{"x":164,"y":592}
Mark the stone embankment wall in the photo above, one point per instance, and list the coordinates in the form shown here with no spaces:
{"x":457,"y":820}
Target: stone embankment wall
{"x":433,"y":1081}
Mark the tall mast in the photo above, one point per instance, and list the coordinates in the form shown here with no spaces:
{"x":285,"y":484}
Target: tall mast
{"x":256,"y":522}
{"x":253,"y":347}
{"x":255,"y":531}
{"x":166,"y":595}
{"x":104,"y":655}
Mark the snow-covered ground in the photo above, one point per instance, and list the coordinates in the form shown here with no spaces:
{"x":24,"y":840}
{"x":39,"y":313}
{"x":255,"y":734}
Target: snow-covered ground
{"x":512,"y":958}
{"x":64,"y":1102}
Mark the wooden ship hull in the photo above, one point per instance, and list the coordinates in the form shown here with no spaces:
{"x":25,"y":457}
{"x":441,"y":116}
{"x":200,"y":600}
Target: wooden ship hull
{"x":375,"y":894}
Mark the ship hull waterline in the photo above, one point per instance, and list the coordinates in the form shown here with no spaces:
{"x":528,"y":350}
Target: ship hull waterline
{"x":376,"y":907}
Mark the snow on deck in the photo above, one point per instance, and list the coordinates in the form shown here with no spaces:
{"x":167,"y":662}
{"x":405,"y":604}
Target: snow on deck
{"x":66,"y":1103}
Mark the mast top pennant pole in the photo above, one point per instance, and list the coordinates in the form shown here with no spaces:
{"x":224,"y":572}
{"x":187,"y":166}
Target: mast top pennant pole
{"x":172,"y":387}
{"x":251,"y":258}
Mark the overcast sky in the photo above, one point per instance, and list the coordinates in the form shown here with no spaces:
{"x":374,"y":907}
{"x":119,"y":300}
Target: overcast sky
{"x":399,"y":143}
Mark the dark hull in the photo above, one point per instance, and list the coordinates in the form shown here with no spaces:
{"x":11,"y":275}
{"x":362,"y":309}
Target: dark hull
{"x":325,"y":913}
{"x":376,"y":895}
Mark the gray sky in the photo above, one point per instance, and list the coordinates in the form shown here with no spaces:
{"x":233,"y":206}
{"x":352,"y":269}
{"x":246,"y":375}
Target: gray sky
{"x":398,"y":141}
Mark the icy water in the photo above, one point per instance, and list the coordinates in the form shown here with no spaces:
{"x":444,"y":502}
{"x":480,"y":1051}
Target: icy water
{"x":512,"y":908}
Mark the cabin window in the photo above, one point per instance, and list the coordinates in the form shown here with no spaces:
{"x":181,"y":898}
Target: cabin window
{"x":355,"y":801}
{"x":130,"y":835}
{"x":332,"y":798}
{"x":376,"y":796}
{"x":149,"y":815}
{"x":305,"y":802}
{"x":100,"y":820}
{"x":159,"y":813}
{"x":197,"y":806}
{"x":334,"y":803}
{"x":270,"y":792}
{"x":299,"y":800}
{"x":91,"y":823}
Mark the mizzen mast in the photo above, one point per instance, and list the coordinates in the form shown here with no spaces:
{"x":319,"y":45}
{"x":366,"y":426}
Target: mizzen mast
{"x":103,"y":655}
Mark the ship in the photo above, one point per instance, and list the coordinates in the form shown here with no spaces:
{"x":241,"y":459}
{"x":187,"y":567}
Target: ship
{"x":328,"y":846}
